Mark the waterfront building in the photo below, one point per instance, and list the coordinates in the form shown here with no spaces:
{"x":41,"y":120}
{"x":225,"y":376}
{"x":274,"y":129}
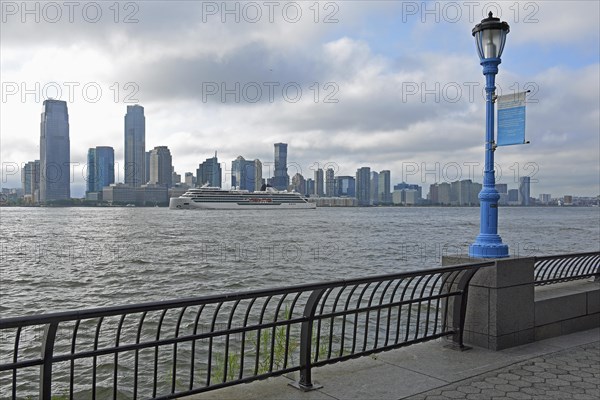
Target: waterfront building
{"x":384,"y":188}
{"x":545,"y":198}
{"x":100,"y":168}
{"x":135,"y":146}
{"x":152,"y":195}
{"x":190,"y":179}
{"x":406,"y":197}
{"x":30,"y":180}
{"x":243,"y":174}
{"x":175,"y":177}
{"x":513,"y":197}
{"x":404,"y":185}
{"x":319,"y":183}
{"x":363,"y":186}
{"x":146,"y":167}
{"x":374,"y":188}
{"x":161,"y":167}
{"x":281,"y":179}
{"x":299,"y":183}
{"x":524,"y":190}
{"x":209,"y":172}
{"x":55,"y":152}
{"x":345,"y":186}
{"x":119,"y":193}
{"x":310,"y":187}
{"x":330,"y":182}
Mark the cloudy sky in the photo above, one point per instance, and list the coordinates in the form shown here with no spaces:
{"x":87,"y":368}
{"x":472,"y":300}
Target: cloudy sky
{"x":387,"y":84}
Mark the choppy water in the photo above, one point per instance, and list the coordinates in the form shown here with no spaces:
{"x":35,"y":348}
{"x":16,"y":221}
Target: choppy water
{"x":55,"y":259}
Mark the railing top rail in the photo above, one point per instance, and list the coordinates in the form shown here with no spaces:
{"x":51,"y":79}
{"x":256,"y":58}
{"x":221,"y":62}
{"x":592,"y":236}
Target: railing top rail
{"x":556,"y":256}
{"x":72,"y":315}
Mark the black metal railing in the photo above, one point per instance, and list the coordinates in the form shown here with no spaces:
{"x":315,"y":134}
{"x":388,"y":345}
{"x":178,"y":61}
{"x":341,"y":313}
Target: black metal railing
{"x":566,"y":267}
{"x":175,"y":348}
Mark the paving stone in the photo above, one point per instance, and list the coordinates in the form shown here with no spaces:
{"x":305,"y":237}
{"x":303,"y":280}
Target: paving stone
{"x":518,"y":395}
{"x":507,"y":388}
{"x":453,"y":394}
{"x":494,"y":380}
{"x":470,"y":389}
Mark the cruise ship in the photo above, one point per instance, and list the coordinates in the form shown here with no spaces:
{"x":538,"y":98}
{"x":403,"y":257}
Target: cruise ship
{"x":214,"y":198}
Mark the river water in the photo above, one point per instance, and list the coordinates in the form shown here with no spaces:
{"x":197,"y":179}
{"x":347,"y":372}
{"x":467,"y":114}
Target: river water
{"x":54,"y":259}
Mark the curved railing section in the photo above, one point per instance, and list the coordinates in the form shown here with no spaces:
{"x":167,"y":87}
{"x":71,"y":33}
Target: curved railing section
{"x":566,"y":267}
{"x":176,"y":348}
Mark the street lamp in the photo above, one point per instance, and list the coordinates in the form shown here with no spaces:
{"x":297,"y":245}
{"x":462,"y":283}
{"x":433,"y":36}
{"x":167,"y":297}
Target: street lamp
{"x":490,"y":36}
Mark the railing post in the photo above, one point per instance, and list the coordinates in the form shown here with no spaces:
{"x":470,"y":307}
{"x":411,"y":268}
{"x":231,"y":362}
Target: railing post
{"x":461,"y":305}
{"x":305,"y":383}
{"x":47,"y":355}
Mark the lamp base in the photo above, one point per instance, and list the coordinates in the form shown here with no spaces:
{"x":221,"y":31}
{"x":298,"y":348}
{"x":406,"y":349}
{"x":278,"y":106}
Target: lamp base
{"x":488,"y":250}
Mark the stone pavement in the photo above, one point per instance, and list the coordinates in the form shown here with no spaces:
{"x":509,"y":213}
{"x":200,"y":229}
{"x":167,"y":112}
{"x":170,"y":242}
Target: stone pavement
{"x":564,"y":367}
{"x":569,"y":374}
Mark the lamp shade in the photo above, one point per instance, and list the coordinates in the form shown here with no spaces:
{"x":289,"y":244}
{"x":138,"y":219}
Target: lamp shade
{"x":490,"y":36}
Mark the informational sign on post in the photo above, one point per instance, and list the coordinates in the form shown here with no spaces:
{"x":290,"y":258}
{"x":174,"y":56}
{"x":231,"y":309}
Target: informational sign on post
{"x":511,"y":119}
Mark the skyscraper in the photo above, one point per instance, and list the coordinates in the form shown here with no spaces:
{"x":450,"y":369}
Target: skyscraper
{"x":524,"y":190}
{"x":385,"y":192}
{"x":30,"y":179}
{"x":243,"y":174}
{"x":330,"y":182}
{"x":258,"y":179}
{"x":100,"y":168}
{"x":209,"y":172}
{"x":319,"y":182}
{"x":55,"y":153}
{"x":374,"y":188}
{"x":299,"y":183}
{"x":345,"y":186}
{"x":161,"y":167}
{"x":135,"y":146}
{"x":281,"y":178}
{"x":363,"y":186}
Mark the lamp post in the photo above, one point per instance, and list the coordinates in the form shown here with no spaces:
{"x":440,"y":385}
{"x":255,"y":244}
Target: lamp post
{"x":490,"y":36}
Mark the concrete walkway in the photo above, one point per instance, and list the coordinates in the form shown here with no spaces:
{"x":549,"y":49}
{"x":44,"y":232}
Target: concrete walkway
{"x":565,"y":367}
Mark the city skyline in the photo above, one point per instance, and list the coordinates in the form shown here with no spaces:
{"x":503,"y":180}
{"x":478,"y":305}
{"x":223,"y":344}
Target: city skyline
{"x":402,"y":89}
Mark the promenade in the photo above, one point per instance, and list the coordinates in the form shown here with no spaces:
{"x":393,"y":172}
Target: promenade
{"x":564,"y":367}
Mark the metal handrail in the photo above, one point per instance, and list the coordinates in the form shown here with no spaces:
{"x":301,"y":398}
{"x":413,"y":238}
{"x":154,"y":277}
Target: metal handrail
{"x":175,"y":348}
{"x":566,"y":267}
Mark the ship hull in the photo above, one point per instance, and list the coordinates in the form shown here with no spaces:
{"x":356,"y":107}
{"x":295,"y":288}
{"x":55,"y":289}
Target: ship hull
{"x":178,"y":203}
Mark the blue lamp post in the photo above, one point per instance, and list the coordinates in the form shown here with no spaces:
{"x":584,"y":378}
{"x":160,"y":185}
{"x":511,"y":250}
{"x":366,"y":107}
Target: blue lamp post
{"x":490,"y":36}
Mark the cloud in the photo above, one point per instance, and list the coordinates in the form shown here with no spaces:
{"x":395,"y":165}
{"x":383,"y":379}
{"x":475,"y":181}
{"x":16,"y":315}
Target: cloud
{"x":389,"y":102}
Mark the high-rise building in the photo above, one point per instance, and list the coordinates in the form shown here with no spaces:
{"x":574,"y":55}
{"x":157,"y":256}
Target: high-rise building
{"x":444,"y":191}
{"x":299,"y":183}
{"x":345,"y":186}
{"x":404,"y":185}
{"x":30,"y":177}
{"x":258,"y":179}
{"x":243,"y":174}
{"x":161,"y":167}
{"x":330,"y":182}
{"x":363,"y":186}
{"x":281,"y":178}
{"x":385,"y":193}
{"x":55,"y":152}
{"x":209,"y":172}
{"x":100,"y":168}
{"x":374,"y":188}
{"x":545,"y":198}
{"x":319,"y":182}
{"x":190,"y":179}
{"x":524,"y":190}
{"x":135,"y":146}
{"x":146,"y":167}
{"x":513,"y":197}
{"x":310,"y":187}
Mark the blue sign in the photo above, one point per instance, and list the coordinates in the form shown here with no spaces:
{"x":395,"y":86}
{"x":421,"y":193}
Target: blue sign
{"x":511,"y":119}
